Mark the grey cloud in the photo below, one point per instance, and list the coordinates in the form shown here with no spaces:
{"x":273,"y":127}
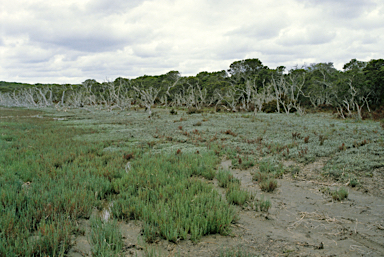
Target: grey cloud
{"x":311,"y":35}
{"x":343,"y":9}
{"x":116,"y":6}
{"x":232,"y":49}
{"x":80,"y":36}
{"x":77,"y":29}
{"x":262,"y":29}
{"x":85,"y":43}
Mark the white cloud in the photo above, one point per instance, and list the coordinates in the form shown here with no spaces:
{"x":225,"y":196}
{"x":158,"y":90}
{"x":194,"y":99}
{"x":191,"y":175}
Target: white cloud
{"x":70,"y":41}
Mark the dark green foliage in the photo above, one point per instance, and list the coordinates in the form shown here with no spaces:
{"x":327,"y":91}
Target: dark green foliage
{"x":374,"y":76}
{"x":193,"y":110}
{"x":249,"y":69}
{"x":378,"y":114}
{"x":270,"y":107}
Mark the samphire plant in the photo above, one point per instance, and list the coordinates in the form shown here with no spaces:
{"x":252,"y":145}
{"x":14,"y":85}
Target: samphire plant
{"x":166,"y":193}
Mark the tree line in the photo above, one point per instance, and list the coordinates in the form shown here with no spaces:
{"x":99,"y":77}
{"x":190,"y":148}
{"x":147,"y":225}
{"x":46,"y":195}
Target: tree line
{"x":247,"y":85}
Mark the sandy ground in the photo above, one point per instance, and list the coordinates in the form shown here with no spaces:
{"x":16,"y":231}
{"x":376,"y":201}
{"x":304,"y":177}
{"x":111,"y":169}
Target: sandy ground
{"x":303,"y":221}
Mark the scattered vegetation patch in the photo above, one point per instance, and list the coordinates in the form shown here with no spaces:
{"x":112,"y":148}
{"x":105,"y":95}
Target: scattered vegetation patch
{"x":271,"y":167}
{"x":105,"y":238}
{"x":262,"y":204}
{"x":226,"y":178}
{"x":353,"y":182}
{"x":243,"y":163}
{"x":340,"y":194}
{"x":268,"y":185}
{"x":337,"y":195}
{"x":166,"y":193}
{"x":235,"y":195}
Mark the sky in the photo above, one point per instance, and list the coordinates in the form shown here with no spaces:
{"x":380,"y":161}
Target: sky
{"x":69,"y":41}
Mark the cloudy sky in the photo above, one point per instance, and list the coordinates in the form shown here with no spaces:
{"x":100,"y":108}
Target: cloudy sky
{"x":69,"y":41}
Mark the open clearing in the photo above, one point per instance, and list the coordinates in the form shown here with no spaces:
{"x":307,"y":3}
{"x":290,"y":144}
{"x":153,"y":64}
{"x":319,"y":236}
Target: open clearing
{"x":312,"y":157}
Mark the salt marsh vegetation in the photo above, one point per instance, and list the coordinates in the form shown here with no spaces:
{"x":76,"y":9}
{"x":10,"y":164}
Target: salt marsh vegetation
{"x":167,"y":193}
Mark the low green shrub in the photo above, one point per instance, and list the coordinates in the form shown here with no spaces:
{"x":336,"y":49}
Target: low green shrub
{"x":268,"y":185}
{"x":237,"y":196}
{"x":272,"y":167}
{"x":262,"y":204}
{"x":242,"y":163}
{"x":260,"y":176}
{"x":105,"y":238}
{"x":353,"y":182}
{"x":340,"y":194}
{"x":225,"y":178}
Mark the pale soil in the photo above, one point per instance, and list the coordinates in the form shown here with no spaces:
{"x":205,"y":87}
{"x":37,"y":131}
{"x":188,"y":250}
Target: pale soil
{"x":302,"y":222}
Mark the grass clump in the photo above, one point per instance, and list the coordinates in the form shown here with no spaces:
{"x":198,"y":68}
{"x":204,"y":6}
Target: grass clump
{"x":339,"y":195}
{"x":271,"y":167}
{"x":237,"y":196}
{"x":105,"y":238}
{"x":226,"y":178}
{"x":268,"y":185}
{"x":353,"y":182}
{"x":260,"y":176}
{"x":243,"y":164}
{"x":262,"y":204}
{"x":268,"y":171}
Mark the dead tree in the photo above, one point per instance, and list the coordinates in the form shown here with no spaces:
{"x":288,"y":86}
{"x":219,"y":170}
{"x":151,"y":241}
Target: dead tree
{"x":259,"y":97}
{"x":147,"y":97}
{"x":231,"y":98}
